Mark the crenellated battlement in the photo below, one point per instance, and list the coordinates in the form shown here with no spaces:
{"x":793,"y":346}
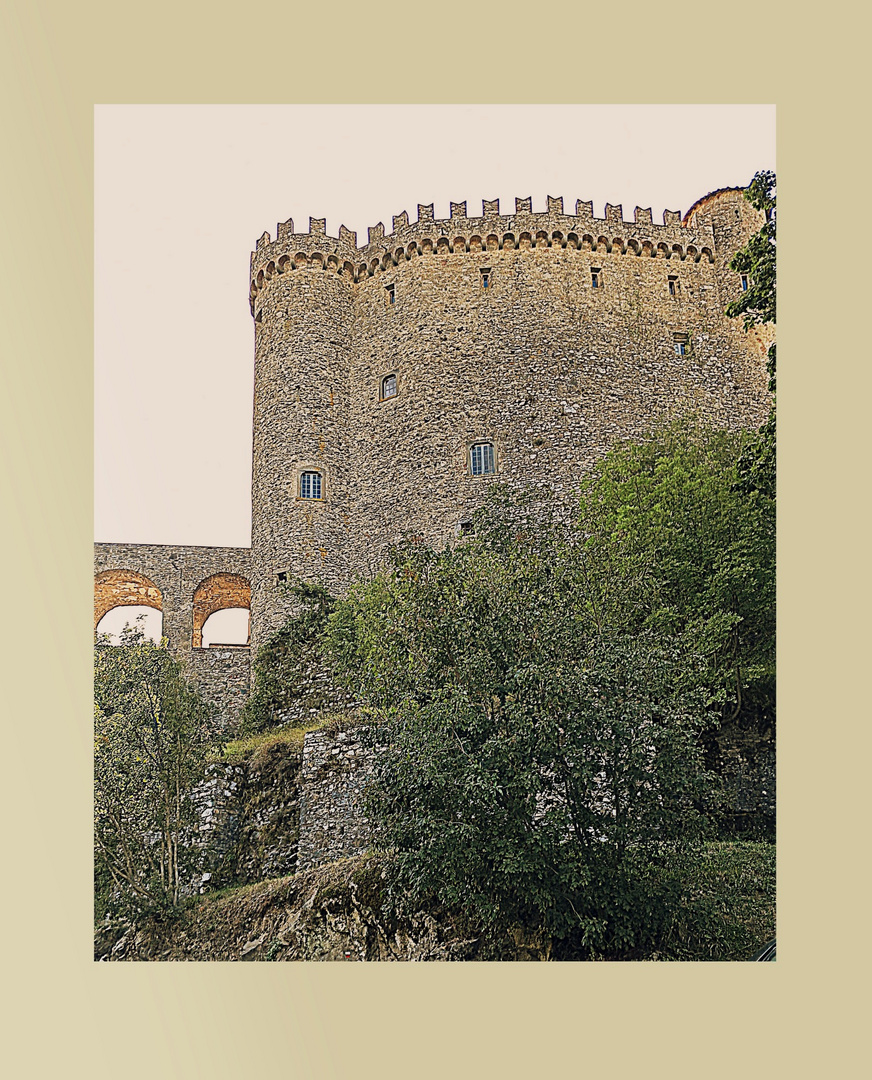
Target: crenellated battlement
{"x":491,"y":231}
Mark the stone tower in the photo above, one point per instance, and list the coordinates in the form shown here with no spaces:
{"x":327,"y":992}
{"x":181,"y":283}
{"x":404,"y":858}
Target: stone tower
{"x":395,"y":381}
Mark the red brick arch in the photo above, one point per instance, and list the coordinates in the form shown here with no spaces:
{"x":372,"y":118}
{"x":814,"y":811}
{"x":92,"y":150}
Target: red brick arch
{"x":123,"y":588}
{"x":216,"y":593}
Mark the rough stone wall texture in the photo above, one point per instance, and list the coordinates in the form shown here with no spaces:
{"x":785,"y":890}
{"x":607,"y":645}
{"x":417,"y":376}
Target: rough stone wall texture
{"x":176,"y":580}
{"x":548,"y":368}
{"x":223,"y":677}
{"x":283,"y":810}
{"x":336,"y":768}
{"x":249,"y":819}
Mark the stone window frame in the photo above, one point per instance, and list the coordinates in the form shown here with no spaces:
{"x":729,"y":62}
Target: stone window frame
{"x":681,"y":344}
{"x":486,"y":277}
{"x":302,"y":469}
{"x":470,"y":464}
{"x":596,"y":277}
{"x":674,"y":285}
{"x":390,"y":294}
{"x":382,"y":396}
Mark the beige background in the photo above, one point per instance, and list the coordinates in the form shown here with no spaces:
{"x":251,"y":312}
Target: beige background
{"x":65,"y":1014}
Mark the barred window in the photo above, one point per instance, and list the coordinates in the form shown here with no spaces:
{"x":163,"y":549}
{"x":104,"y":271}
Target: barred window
{"x":481,"y":459}
{"x":389,"y":386}
{"x":310,"y":485}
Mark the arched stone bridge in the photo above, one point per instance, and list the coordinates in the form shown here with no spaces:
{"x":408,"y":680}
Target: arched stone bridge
{"x":186,"y":584}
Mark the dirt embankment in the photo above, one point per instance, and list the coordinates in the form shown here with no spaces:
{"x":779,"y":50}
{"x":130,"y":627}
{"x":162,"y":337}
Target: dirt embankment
{"x":331,"y":913}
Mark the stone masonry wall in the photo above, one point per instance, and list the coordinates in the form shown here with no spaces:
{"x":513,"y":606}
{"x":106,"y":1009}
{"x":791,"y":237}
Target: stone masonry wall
{"x":249,"y":818}
{"x":223,"y":677}
{"x":334,"y":774}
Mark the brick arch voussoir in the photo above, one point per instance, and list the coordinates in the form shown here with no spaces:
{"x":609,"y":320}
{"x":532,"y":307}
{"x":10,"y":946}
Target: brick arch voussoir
{"x":123,"y":588}
{"x":217,"y":593}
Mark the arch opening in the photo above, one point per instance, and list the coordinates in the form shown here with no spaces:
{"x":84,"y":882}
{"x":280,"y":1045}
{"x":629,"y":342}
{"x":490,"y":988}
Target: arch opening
{"x":218,"y":593}
{"x":230,"y":626}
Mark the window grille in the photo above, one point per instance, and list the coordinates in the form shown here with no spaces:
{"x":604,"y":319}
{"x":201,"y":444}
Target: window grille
{"x":389,"y":387}
{"x":310,"y":485}
{"x":482,"y":459}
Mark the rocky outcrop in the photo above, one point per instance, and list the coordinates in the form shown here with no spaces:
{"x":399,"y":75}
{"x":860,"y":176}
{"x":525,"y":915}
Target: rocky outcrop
{"x":334,"y":912}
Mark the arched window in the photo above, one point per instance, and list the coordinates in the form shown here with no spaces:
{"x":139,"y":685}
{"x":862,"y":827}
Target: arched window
{"x":481,"y":459}
{"x":388,"y":387}
{"x":310,"y":485}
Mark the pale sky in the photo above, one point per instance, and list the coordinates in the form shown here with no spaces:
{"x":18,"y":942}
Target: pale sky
{"x":183,"y":192}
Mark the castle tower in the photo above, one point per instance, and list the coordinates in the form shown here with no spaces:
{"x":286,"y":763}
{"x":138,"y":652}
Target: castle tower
{"x":395,"y":382}
{"x":302,"y":303}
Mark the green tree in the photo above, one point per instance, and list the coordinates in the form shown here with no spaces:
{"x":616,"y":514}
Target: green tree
{"x":152,"y":736}
{"x":539,"y":767}
{"x":756,"y":307}
{"x":675,"y":544}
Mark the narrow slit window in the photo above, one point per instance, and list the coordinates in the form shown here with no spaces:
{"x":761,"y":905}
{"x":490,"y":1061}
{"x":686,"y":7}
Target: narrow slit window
{"x":680,"y":344}
{"x":485,"y":277}
{"x":744,"y":282}
{"x":310,"y":485}
{"x":481,"y":459}
{"x":596,"y":277}
{"x":674,"y":286}
{"x":389,"y":387}
{"x":390,"y":294}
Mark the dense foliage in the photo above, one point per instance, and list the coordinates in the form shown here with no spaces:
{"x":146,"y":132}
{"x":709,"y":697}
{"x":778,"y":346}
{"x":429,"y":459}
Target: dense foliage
{"x":675,"y":544}
{"x":152,"y":736}
{"x":756,"y":306}
{"x":540,"y":768}
{"x":287,"y":668}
